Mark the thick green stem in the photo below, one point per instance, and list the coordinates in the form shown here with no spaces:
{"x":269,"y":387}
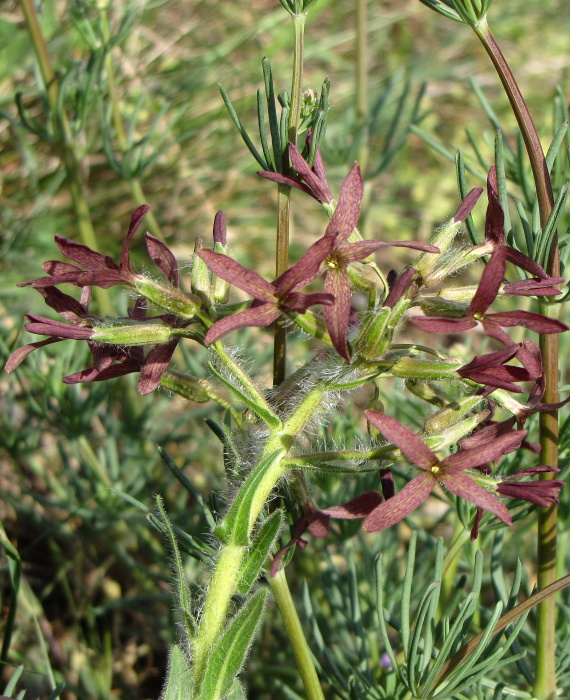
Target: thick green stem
{"x":545,"y":674}
{"x":296,"y":636}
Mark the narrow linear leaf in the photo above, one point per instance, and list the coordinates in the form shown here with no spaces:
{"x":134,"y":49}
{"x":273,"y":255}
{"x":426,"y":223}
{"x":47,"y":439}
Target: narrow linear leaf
{"x":179,"y":685}
{"x":260,"y":549}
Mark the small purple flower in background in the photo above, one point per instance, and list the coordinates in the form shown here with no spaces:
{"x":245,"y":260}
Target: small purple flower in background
{"x":542,"y":493}
{"x":271,"y":299}
{"x":488,"y":288}
{"x":448,"y":472}
{"x":491,"y":371}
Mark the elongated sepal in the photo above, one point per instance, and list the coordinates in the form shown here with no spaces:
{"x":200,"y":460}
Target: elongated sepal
{"x":263,"y":542}
{"x":187,"y":386}
{"x":426,"y":262}
{"x":414,"y":368}
{"x":436,"y":306}
{"x":200,"y":275}
{"x":446,"y":417}
{"x":170,"y":299}
{"x":131,"y":335}
{"x":451,"y":435}
{"x":372,"y":340}
{"x":231,"y":649}
{"x":428,"y":391}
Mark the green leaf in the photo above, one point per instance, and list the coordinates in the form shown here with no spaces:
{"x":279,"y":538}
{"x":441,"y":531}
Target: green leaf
{"x":236,"y":525}
{"x":179,"y":678}
{"x":230,"y":651}
{"x":262,"y":543}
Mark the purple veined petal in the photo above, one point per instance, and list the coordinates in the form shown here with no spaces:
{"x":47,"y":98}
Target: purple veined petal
{"x":530,"y":357}
{"x":306,"y":269}
{"x":320,"y":524}
{"x":495,"y":218}
{"x":491,"y":280}
{"x":83,"y":255}
{"x":45,"y":282}
{"x":285,"y":180}
{"x":45,"y":326}
{"x":487,"y":434}
{"x":439,"y":324}
{"x":527,"y":319}
{"x":467,"y":205}
{"x":154,"y":366}
{"x":136,"y":218}
{"x":488,"y":452}
{"x":414,"y":245}
{"x":399,"y":287}
{"x":163,"y":258}
{"x":320,"y":189}
{"x":19,"y":355}
{"x":118,"y":369}
{"x":337,"y":316}
{"x":533,"y":287}
{"x":262,"y":315}
{"x":220,"y":231}
{"x":463,"y":486}
{"x":543,"y":493}
{"x":345,"y":216}
{"x":409,"y":443}
{"x":298,"y":302}
{"x":359,"y":507}
{"x":104,"y":278}
{"x":57,"y":267}
{"x":353,"y":252}
{"x":531,"y":471}
{"x":230,"y":270}
{"x":524,"y":262}
{"x":492,"y":359}
{"x":404,"y":502}
{"x":319,"y":169}
{"x":65,"y":305}
{"x":492,"y":377}
{"x":494,"y":330}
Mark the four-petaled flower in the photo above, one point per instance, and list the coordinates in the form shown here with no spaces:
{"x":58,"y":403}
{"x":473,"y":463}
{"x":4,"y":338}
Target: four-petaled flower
{"x":491,"y":280}
{"x":448,"y":472}
{"x":343,"y":253}
{"x":271,"y":299}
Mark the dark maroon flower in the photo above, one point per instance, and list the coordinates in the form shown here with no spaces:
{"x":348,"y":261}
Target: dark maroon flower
{"x":533,"y":287}
{"x":491,"y":370}
{"x":271,"y":299}
{"x":491,"y":280}
{"x":448,"y":472}
{"x":316,"y":521}
{"x":343,"y":253}
{"x":313,"y":180}
{"x":542,"y":493}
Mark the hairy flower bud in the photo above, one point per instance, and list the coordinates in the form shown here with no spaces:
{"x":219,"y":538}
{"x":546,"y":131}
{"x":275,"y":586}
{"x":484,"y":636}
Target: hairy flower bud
{"x":436,"y":306}
{"x":200,"y":276}
{"x":187,"y":386}
{"x":170,"y":299}
{"x":414,"y":368}
{"x":373,"y":341}
{"x":448,"y":416}
{"x":132,"y":335}
{"x":452,"y":434}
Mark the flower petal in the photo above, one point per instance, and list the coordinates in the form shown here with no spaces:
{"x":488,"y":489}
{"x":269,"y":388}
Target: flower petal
{"x":404,"y":502}
{"x":463,"y":486}
{"x":409,"y":443}
{"x":359,"y":507}
{"x":163,"y":258}
{"x":261,"y":315}
{"x":337,"y":316}
{"x":230,"y":270}
{"x":345,"y":217}
{"x":306,"y":269}
{"x":491,"y":280}
{"x":83,"y":255}
{"x":440,"y":324}
{"x":154,"y":366}
{"x":136,"y":218}
{"x":488,"y":452}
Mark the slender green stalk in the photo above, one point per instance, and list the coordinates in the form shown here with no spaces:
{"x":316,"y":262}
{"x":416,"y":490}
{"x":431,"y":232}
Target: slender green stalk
{"x":280,"y":589}
{"x":64,"y":143}
{"x":284,"y":198}
{"x":545,"y":675}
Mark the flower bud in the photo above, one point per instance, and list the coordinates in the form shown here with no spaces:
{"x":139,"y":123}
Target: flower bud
{"x":187,"y":386}
{"x":170,"y":299}
{"x":426,"y":262}
{"x":428,"y":391}
{"x":414,"y":368}
{"x":219,"y":288}
{"x":362,"y":277}
{"x":130,"y":335}
{"x":446,"y":417}
{"x":200,"y":275}
{"x":372,"y":340}
{"x":451,"y":435}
